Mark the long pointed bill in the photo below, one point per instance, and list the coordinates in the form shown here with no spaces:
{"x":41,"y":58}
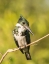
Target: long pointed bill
{"x":27,"y":27}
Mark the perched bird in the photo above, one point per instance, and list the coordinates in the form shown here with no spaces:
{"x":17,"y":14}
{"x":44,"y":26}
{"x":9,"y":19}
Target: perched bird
{"x":22,"y":36}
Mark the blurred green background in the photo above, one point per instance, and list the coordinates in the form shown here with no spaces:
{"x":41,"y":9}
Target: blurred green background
{"x":37,"y":13}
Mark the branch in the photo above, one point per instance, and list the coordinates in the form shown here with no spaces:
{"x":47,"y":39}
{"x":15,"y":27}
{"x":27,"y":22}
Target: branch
{"x":15,"y":49}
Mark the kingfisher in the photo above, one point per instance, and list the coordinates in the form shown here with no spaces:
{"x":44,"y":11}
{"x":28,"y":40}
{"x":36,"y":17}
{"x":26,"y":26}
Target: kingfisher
{"x":22,"y":36}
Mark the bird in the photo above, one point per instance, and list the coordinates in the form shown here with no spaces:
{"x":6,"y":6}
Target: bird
{"x":21,"y":35}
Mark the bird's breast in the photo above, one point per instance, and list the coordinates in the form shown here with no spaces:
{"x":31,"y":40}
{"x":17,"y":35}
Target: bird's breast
{"x":21,"y":40}
{"x":19,"y":37}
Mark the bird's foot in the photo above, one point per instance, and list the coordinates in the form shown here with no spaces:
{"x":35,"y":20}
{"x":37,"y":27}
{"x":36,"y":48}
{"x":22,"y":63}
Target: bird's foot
{"x":19,"y":47}
{"x":25,"y":46}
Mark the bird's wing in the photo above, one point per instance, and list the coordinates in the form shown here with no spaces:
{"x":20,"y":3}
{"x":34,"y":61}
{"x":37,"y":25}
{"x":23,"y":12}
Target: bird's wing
{"x":14,"y":32}
{"x":27,"y":38}
{"x":16,"y":42}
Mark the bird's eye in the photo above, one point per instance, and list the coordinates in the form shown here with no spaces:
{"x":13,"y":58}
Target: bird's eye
{"x":23,"y":22}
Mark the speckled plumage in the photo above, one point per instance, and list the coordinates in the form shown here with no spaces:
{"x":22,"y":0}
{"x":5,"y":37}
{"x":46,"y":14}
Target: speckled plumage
{"x":22,"y":36}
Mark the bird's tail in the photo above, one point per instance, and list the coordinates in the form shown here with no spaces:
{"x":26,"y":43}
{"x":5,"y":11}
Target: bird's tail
{"x":28,"y":56}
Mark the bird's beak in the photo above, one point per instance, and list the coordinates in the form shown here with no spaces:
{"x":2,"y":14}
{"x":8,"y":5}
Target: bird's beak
{"x":28,"y":28}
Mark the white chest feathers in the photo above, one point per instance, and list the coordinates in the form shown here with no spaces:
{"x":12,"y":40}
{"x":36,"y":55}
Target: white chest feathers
{"x":21,"y":39}
{"x":20,"y":28}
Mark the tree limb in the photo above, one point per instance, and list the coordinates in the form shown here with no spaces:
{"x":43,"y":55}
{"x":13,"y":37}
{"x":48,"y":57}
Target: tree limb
{"x":15,"y":49}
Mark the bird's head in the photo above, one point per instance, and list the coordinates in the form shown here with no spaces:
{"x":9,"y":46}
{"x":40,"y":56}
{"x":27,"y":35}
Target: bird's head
{"x":24,"y":23}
